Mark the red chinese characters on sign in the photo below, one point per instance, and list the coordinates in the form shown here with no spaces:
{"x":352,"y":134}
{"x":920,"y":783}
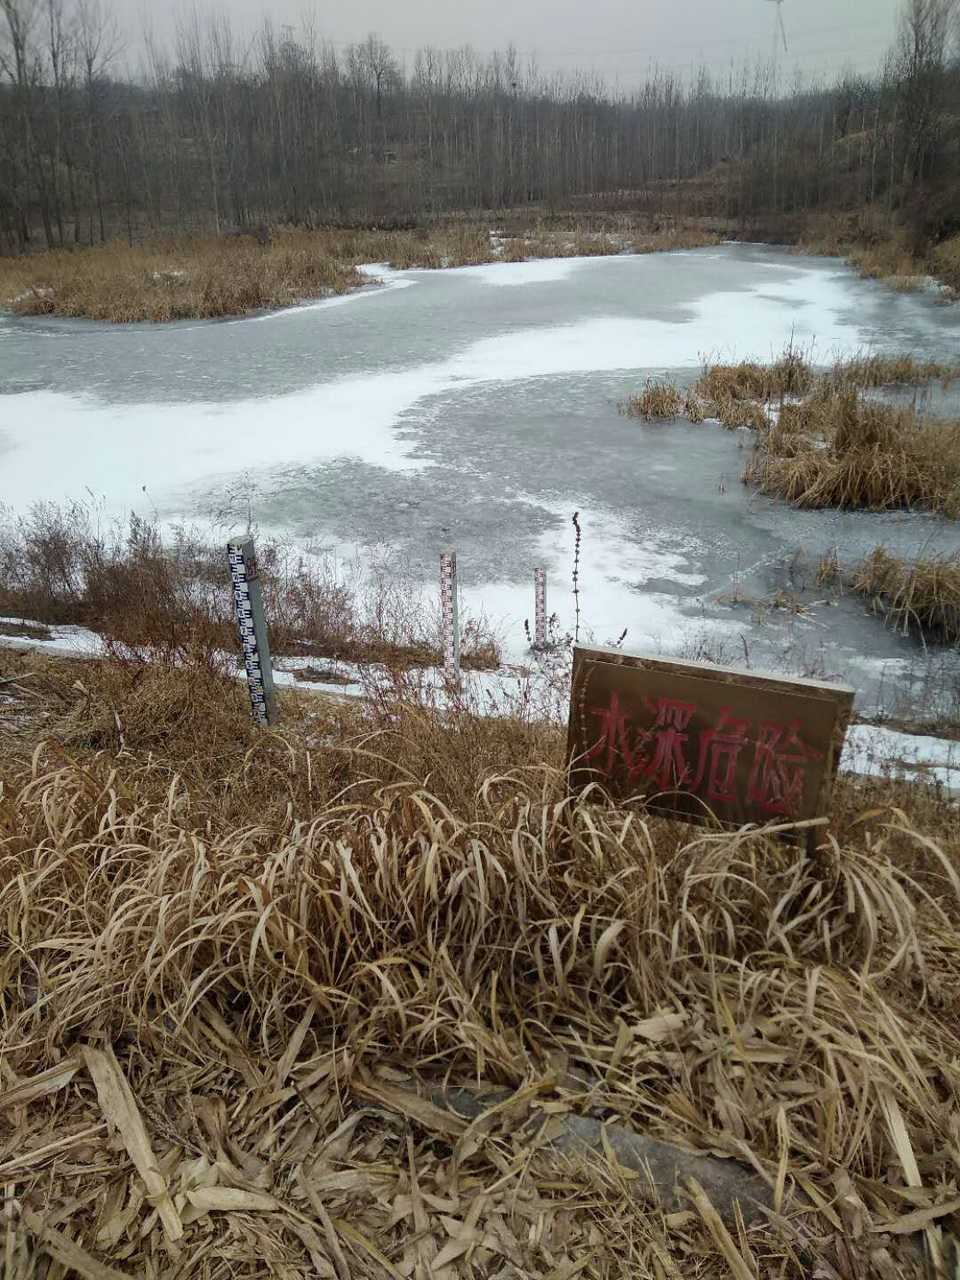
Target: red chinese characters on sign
{"x":708,"y":763}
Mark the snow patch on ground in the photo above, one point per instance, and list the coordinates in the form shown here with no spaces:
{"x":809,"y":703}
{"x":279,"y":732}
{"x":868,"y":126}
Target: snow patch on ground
{"x":875,"y":751}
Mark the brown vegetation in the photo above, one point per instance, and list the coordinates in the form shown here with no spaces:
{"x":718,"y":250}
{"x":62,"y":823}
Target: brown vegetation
{"x":841,"y":451}
{"x":920,"y":596}
{"x":174,"y":280}
{"x":275,"y":938}
{"x":657,"y":401}
{"x":880,"y":247}
{"x":874,"y":371}
{"x":789,"y":375}
{"x":206,"y":277}
{"x":872,"y":241}
{"x":946,"y":262}
{"x":823,"y":444}
{"x":169,"y":595}
{"x":737,"y":395}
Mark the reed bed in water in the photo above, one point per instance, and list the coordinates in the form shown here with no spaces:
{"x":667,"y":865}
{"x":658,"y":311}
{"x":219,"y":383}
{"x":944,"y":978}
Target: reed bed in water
{"x":789,"y":375}
{"x":843,"y":451}
{"x":236,"y":957}
{"x":921,"y":595}
{"x":737,"y":394}
{"x":874,"y":371}
{"x":658,"y":401}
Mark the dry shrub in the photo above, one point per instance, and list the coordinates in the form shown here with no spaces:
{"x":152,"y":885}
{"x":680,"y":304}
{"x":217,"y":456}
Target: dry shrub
{"x":657,"y":401}
{"x":62,"y":565}
{"x":273,"y":936}
{"x":946,"y":261}
{"x":842,"y":451}
{"x":169,"y":597}
{"x":920,"y":595}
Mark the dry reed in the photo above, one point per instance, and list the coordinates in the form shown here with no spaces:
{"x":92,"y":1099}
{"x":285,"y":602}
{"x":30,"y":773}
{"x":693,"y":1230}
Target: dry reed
{"x":841,"y":451}
{"x":738,"y":395}
{"x":876,"y":370}
{"x":946,"y":262}
{"x":872,"y":243}
{"x":232,"y":953}
{"x":207,"y":276}
{"x":921,"y":596}
{"x":789,"y":375}
{"x":658,"y":401}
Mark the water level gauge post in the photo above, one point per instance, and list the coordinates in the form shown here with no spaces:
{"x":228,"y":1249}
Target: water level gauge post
{"x":450,"y":616}
{"x":540,"y":594}
{"x":252,"y":628}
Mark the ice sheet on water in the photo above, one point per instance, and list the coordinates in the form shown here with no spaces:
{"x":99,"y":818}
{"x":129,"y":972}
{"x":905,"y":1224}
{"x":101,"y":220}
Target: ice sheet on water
{"x":65,"y":444}
{"x":379,"y":286}
{"x":512,"y":274}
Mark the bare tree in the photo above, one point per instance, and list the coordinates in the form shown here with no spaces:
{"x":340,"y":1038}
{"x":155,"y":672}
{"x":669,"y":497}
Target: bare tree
{"x":212,"y":131}
{"x":922,"y":49}
{"x":98,"y":44}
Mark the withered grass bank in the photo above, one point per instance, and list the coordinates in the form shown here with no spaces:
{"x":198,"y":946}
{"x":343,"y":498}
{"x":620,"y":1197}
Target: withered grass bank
{"x":211,"y":276}
{"x":232,"y":953}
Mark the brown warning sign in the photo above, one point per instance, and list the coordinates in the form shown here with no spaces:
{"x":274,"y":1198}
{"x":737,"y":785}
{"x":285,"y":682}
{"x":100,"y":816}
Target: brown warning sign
{"x":696,"y":740}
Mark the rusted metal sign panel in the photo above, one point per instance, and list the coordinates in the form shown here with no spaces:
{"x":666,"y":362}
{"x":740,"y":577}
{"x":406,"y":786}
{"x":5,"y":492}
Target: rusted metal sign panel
{"x":696,"y":740}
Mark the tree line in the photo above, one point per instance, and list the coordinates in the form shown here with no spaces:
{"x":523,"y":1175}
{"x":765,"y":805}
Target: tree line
{"x":217,"y":132}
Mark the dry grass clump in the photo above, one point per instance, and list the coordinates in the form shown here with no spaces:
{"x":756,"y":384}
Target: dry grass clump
{"x":232,"y":967}
{"x":676,"y":236}
{"x":169,"y":595}
{"x":662,"y":401}
{"x":842,"y":451}
{"x":657,"y":401}
{"x":920,"y":596}
{"x":735,"y":414}
{"x":459,"y":245}
{"x":874,"y":371}
{"x":891,"y":261}
{"x":880,"y":249}
{"x":819,"y":417}
{"x":789,"y":375}
{"x":175,"y":279}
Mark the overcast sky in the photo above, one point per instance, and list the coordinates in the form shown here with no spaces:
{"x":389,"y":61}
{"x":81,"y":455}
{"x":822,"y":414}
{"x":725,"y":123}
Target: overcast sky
{"x":618,"y":38}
